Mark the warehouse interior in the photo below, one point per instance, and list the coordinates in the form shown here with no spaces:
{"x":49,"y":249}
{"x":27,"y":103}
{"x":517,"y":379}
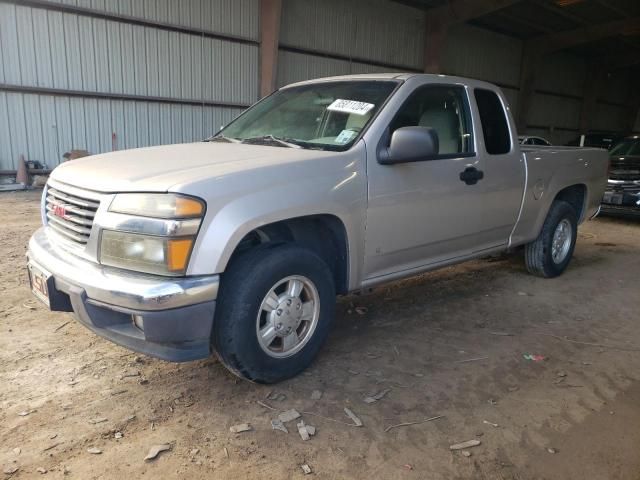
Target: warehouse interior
{"x":438,"y":299}
{"x":102,"y":75}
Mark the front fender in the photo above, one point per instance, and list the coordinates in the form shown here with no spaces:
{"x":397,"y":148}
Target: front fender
{"x":336,"y":188}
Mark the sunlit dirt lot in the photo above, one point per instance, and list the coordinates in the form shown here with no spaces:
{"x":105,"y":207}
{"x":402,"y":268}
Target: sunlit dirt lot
{"x":449,"y":344}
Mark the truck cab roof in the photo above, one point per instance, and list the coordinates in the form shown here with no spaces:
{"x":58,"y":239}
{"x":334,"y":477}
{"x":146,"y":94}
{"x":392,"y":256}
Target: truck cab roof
{"x":401,"y":76}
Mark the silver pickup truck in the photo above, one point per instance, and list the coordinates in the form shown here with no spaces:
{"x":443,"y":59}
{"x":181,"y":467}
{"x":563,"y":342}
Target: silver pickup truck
{"x":238,"y":245}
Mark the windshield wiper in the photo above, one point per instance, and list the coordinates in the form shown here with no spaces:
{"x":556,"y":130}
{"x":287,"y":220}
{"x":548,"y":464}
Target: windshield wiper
{"x":221,"y":138}
{"x":271,"y":140}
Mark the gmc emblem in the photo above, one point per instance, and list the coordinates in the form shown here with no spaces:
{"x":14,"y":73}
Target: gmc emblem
{"x":59,"y":211}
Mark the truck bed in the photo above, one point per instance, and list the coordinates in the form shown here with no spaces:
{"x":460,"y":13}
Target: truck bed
{"x":550,"y":169}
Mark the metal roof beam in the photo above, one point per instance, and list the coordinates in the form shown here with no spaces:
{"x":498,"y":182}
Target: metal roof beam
{"x":460,"y":11}
{"x":551,"y":7}
{"x":581,"y":21}
{"x":532,"y":24}
{"x":613,"y":8}
{"x":571,"y":38}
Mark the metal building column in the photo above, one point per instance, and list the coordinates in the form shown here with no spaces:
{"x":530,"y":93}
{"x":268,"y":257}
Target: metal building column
{"x":434,"y":42}
{"x":270,"y":14}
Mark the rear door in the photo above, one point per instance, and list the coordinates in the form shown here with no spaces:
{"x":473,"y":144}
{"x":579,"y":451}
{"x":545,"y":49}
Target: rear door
{"x":504,"y":179}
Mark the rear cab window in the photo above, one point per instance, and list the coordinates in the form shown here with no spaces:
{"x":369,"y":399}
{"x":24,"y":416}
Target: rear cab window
{"x":495,"y":129}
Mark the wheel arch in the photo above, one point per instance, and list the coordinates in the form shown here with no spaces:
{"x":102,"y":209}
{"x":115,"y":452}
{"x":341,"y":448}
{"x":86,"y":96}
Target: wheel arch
{"x":324,"y":234}
{"x":536,"y":210}
{"x":576,"y":196}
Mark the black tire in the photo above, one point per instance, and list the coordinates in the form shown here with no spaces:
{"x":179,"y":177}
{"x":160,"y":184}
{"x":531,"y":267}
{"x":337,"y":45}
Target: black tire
{"x":538,"y":254}
{"x":243,"y":287}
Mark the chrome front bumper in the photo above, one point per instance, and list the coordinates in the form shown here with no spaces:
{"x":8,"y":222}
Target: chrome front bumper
{"x":177,"y":312}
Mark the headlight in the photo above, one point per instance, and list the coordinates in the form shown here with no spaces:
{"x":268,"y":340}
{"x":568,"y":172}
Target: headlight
{"x":158,"y":205}
{"x":145,"y":253}
{"x":156,"y":235}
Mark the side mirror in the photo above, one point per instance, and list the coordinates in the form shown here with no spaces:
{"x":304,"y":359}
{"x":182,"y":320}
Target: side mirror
{"x":410,"y":144}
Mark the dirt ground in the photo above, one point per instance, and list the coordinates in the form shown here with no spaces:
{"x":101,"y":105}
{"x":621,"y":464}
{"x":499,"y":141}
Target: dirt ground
{"x":448,"y":343}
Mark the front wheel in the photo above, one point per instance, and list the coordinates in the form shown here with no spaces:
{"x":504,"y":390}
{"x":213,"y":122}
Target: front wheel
{"x":274,"y":311}
{"x":549,"y":254}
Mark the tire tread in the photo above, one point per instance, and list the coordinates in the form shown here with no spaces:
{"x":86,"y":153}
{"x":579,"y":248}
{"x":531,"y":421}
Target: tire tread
{"x":237,"y":301}
{"x":536,"y":254}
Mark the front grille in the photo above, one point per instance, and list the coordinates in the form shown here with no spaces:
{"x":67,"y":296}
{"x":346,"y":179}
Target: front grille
{"x":627,"y":168}
{"x":70,"y":214}
{"x":624,"y":186}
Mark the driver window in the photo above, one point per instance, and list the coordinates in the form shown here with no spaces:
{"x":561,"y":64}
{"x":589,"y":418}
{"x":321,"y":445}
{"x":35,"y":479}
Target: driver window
{"x":443,"y":108}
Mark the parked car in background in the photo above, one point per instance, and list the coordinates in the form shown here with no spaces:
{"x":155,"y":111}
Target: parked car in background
{"x":623,"y":187}
{"x":239,"y":245}
{"x":533,"y":140}
{"x":596,"y":139}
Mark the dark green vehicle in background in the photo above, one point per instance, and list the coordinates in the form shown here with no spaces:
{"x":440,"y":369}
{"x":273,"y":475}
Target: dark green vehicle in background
{"x":623,"y":187}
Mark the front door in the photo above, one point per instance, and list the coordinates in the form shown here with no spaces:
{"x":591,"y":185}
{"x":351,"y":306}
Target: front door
{"x":422,"y":212}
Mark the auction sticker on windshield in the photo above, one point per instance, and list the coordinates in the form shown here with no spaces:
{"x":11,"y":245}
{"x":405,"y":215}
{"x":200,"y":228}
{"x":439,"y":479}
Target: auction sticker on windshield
{"x":350,"y":106}
{"x":345,"y":136}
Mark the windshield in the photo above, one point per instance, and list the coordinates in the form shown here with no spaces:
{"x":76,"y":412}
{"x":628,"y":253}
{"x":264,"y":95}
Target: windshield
{"x":630,"y":146}
{"x":327,"y":116}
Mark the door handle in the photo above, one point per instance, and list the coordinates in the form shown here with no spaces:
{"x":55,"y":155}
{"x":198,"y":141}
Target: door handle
{"x":471,"y":175}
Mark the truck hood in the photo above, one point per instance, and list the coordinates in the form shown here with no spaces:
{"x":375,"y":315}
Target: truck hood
{"x":158,"y":169}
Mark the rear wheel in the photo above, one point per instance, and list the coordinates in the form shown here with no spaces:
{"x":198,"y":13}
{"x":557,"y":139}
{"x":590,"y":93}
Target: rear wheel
{"x":549,"y":254}
{"x":274,"y":311}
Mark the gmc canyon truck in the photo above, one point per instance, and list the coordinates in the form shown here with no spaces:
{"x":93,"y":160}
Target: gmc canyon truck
{"x":238,"y":245}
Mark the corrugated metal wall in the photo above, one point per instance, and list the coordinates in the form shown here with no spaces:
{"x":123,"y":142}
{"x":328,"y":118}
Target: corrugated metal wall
{"x":562,"y":73}
{"x":235,"y":17}
{"x":44,"y":127}
{"x":559,"y":88}
{"x":48,"y":49}
{"x":173,"y":71}
{"x":477,"y":53}
{"x":67,"y":51}
{"x":319,"y":38}
{"x":368,"y":29}
{"x":612,"y":112}
{"x":323,"y":38}
{"x":557,"y":101}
